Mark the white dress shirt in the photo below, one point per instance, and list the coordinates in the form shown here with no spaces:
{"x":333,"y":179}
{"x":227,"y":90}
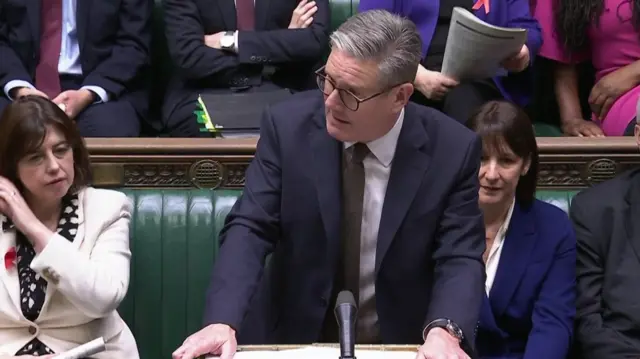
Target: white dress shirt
{"x":69,"y":63}
{"x":493,"y":259}
{"x":377,"y":167}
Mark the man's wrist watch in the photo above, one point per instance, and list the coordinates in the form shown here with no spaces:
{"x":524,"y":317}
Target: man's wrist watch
{"x":452,"y":328}
{"x":228,"y":41}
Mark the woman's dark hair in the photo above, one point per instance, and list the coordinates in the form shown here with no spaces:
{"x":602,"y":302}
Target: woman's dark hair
{"x":503,"y":124}
{"x":573,"y":18}
{"x":23,"y":128}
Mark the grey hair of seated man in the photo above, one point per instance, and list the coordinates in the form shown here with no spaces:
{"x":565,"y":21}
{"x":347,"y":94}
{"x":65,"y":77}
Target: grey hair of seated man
{"x":390,"y":40}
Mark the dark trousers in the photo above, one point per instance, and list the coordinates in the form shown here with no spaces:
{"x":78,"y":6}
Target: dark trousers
{"x":463,"y":100}
{"x":115,"y":118}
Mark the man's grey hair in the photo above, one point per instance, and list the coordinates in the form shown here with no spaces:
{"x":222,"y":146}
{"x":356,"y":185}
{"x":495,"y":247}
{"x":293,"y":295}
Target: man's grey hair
{"x":390,"y":40}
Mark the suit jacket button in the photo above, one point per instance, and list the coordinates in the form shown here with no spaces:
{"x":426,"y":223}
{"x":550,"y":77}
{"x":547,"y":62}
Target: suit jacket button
{"x":253,"y":58}
{"x":32,"y":330}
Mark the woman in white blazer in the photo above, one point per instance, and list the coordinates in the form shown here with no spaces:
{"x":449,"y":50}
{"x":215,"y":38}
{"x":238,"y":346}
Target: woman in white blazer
{"x":65,"y":245}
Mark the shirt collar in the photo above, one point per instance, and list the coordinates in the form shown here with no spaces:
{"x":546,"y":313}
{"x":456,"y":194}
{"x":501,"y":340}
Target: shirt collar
{"x":384,"y":148}
{"x":502,"y":232}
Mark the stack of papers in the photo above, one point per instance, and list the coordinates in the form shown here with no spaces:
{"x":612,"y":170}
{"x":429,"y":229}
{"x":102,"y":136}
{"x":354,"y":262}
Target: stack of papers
{"x":314,"y":352}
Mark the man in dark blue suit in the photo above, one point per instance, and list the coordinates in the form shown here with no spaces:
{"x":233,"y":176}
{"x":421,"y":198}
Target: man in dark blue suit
{"x":88,"y":56}
{"x":355,"y":190}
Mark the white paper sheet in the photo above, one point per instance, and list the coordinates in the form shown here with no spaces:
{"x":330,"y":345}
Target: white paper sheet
{"x":321,"y":353}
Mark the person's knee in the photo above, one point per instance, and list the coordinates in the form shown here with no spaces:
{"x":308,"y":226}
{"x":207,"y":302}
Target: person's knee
{"x":109,"y":120}
{"x":182,"y":122}
{"x":462,"y":101}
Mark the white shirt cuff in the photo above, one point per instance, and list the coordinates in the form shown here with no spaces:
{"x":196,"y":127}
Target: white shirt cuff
{"x":102,"y":94}
{"x":235,"y":42}
{"x":15,"y":84}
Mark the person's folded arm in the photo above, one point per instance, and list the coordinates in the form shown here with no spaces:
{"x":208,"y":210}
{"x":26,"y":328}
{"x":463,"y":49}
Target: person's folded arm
{"x":185,"y":39}
{"x":251,"y":232}
{"x":554,"y":310}
{"x":287,"y":45}
{"x":595,"y":339}
{"x":95,"y":282}
{"x":11,"y":67}
{"x":131,"y":53}
{"x":459,"y":275}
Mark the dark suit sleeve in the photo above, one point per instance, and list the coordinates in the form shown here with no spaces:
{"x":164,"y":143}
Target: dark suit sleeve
{"x":11,"y":67}
{"x":287,"y":45}
{"x":554,"y":309}
{"x":459,"y":275}
{"x":131,"y":53}
{"x":251,"y":231}
{"x":185,"y":39}
{"x":595,"y":338}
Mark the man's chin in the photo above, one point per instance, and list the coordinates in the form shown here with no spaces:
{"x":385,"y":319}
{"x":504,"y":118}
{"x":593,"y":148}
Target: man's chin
{"x":338,"y":133}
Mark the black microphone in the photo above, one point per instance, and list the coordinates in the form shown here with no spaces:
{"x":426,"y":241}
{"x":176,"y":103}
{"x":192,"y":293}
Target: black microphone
{"x":346,"y":312}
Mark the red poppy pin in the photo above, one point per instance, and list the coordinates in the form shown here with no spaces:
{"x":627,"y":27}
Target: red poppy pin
{"x":10,"y":258}
{"x":482,"y":3}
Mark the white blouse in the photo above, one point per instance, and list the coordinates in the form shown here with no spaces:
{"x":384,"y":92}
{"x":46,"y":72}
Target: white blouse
{"x":493,"y":259}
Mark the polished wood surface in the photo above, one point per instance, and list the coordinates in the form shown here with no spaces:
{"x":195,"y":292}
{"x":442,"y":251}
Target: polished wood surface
{"x":565,"y":162}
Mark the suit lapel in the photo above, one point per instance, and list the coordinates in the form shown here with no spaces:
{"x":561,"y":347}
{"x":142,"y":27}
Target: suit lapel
{"x":514,"y":259}
{"x":34,"y":15}
{"x":632,"y":225}
{"x":410,"y":162}
{"x":261,"y":13}
{"x":83,"y":16}
{"x":228,"y":10}
{"x":327,"y":156}
{"x":79,"y":238}
{"x":9,"y":276}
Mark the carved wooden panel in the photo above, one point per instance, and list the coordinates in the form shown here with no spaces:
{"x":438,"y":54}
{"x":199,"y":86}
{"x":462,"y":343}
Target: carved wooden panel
{"x":565,"y":163}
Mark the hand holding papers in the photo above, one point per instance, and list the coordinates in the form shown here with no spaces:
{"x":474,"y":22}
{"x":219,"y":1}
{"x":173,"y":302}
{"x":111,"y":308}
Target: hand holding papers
{"x":84,"y":351}
{"x":476,"y":49}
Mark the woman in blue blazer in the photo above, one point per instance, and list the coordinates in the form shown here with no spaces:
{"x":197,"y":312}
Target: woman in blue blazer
{"x":529,"y":306}
{"x":459,"y":100}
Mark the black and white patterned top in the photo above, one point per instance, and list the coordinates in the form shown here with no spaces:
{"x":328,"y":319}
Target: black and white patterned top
{"x":33,"y":287}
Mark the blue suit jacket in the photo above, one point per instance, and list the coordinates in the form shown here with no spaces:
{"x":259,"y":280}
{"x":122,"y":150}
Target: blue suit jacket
{"x":428,"y":261}
{"x":506,"y":13}
{"x":531,"y":306}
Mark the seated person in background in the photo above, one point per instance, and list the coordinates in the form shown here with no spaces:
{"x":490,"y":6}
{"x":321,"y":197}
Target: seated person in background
{"x":254,"y":46}
{"x":390,"y":212}
{"x":455,"y":99}
{"x":65,"y":245}
{"x":606,"y":33}
{"x":90,"y":56}
{"x":530,"y":256}
{"x":606,"y":220}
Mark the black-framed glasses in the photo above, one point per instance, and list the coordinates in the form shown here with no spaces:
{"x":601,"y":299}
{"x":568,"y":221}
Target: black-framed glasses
{"x":350,"y":101}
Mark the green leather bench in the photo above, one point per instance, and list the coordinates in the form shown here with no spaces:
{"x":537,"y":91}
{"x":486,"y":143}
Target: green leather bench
{"x":341,"y":10}
{"x":174,"y":240}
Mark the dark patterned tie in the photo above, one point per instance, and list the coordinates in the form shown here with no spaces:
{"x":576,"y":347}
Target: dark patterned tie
{"x":352,"y":202}
{"x":245,"y":12}
{"x":47,"y":76}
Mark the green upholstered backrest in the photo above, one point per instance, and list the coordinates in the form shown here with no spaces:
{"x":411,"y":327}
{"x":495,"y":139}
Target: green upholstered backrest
{"x":174,"y":241}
